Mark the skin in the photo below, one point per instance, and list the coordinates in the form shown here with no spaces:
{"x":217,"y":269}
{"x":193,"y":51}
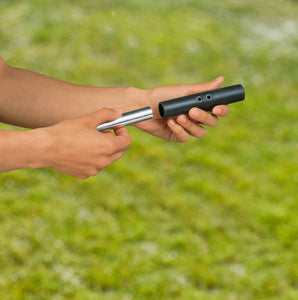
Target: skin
{"x":63,"y":117}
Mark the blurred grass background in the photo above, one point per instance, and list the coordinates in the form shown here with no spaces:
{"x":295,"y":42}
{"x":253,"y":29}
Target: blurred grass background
{"x":210,"y":219}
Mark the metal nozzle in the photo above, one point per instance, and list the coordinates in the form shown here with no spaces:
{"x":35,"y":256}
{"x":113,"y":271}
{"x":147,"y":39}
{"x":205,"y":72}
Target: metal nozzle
{"x":128,"y":118}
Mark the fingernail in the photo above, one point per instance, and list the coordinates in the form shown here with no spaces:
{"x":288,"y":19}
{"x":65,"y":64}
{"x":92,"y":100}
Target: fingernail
{"x":217,"y":110}
{"x":117,"y":110}
{"x":172,"y":122}
{"x":195,"y":113}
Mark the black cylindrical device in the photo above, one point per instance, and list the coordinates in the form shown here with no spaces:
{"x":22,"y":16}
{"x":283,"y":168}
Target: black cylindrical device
{"x":205,"y":101}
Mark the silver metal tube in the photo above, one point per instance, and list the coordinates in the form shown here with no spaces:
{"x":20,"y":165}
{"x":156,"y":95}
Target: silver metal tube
{"x":128,"y":118}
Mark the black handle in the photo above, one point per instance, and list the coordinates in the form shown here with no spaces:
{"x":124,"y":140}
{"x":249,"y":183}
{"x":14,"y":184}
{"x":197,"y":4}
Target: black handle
{"x":205,"y":101}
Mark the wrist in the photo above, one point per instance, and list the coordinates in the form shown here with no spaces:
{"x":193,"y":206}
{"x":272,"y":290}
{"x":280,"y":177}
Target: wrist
{"x":135,"y":99}
{"x":150,"y":98}
{"x":39,"y":142}
{"x":22,"y":149}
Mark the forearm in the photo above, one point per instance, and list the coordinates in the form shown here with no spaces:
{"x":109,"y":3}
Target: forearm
{"x":22,"y":149}
{"x":29,"y":99}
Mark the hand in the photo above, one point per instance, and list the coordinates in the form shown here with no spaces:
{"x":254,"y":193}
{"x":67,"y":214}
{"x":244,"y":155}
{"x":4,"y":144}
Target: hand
{"x":76,"y":148}
{"x":178,"y":129}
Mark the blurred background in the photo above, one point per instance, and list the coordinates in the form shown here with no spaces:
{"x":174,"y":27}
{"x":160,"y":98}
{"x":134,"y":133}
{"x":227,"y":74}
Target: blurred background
{"x":214,"y":218}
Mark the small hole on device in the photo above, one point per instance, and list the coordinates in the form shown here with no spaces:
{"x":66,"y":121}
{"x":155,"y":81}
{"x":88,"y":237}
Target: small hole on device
{"x":209,"y":97}
{"x":199,"y":98}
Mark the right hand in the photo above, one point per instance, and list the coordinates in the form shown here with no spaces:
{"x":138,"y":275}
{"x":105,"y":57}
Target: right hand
{"x":76,"y":148}
{"x":180,"y":128}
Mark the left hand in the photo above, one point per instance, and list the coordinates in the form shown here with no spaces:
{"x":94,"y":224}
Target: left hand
{"x":180,"y":128}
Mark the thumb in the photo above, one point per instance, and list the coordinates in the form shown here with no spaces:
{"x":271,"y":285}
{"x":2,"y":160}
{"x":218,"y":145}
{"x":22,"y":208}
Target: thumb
{"x":101,"y":116}
{"x":180,"y":90}
{"x":206,"y":86}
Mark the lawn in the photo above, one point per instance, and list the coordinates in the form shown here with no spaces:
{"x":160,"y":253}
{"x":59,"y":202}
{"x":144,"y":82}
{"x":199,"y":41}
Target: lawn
{"x":214,"y":218}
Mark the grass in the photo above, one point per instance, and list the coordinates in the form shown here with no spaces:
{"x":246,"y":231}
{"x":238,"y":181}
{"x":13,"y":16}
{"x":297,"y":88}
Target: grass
{"x":210,"y":219}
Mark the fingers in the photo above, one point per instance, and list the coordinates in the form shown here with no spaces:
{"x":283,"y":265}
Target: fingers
{"x":185,"y":126}
{"x":92,"y":168}
{"x":116,"y":156}
{"x":122,"y":139}
{"x":96,"y":168}
{"x":206,"y":86}
{"x":193,"y":128}
{"x":203,"y":117}
{"x":220,"y":110}
{"x":178,"y":133}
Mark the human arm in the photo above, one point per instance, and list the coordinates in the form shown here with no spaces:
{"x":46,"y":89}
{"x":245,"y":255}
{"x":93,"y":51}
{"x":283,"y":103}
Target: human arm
{"x":46,"y":101}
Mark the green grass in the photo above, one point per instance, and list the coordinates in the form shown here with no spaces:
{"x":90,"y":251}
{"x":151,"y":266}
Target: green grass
{"x":210,"y":219}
